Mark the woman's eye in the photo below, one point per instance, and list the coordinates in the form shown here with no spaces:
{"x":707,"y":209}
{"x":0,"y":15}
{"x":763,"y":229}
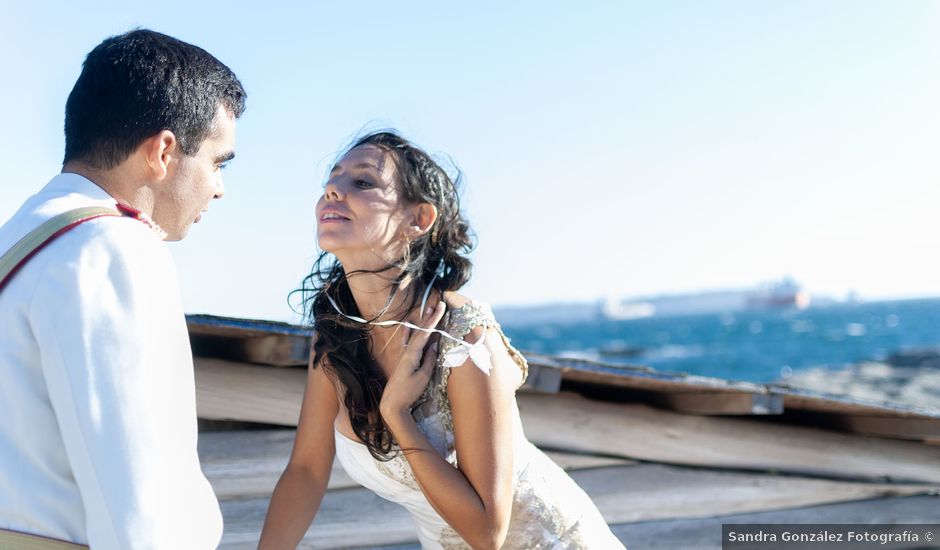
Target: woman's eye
{"x":222,"y":166}
{"x":363,"y":184}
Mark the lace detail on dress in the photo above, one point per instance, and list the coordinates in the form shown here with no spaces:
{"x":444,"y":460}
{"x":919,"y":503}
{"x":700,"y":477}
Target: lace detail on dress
{"x":434,"y":402}
{"x":548,"y":511}
{"x":537,"y":522}
{"x":450,"y":540}
{"x":398,"y":469}
{"x":460,"y":322}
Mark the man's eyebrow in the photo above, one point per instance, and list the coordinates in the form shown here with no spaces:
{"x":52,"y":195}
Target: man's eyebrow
{"x":225,"y":157}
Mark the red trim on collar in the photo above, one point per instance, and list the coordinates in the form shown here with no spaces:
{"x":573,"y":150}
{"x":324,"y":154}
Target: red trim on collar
{"x":128,"y":211}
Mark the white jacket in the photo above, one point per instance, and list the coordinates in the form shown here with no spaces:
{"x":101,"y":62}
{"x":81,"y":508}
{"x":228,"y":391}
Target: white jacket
{"x":97,"y":398}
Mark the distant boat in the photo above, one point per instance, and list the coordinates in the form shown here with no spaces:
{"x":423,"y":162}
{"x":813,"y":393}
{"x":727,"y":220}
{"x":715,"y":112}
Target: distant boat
{"x":617,"y":310}
{"x":783,"y":294}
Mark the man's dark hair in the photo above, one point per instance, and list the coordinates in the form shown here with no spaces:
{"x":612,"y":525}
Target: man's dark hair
{"x":138,"y":84}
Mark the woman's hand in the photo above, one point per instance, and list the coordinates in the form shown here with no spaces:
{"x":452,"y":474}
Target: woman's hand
{"x":414,"y":369}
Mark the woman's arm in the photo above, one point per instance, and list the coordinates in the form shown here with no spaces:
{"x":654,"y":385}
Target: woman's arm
{"x":475,"y":499}
{"x":300,"y":490}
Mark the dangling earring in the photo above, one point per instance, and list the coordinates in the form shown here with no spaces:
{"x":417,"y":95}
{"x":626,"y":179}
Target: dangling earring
{"x":406,"y":255}
{"x":439,"y":272}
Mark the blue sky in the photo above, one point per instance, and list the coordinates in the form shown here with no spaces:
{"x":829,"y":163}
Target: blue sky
{"x":617,"y":148}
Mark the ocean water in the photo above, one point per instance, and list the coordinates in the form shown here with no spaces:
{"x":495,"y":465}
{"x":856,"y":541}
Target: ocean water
{"x":756,"y":345}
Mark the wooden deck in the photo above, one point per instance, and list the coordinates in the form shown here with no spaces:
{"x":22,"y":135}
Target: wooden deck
{"x":667,"y":457}
{"x":637,"y":498}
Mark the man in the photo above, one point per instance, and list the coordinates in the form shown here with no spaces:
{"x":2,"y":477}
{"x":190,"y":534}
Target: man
{"x":97,"y":404}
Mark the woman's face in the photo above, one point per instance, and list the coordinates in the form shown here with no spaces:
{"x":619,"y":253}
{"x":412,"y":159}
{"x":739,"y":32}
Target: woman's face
{"x":361,"y":216}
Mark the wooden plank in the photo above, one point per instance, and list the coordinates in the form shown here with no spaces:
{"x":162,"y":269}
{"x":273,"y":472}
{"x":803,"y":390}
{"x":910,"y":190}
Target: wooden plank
{"x":623,"y":493}
{"x":655,"y":491}
{"x":574,"y":461}
{"x":704,"y":533}
{"x":904,"y":428}
{"x":638,"y":377}
{"x":282,"y":344}
{"x":339,"y":522}
{"x":573,"y":423}
{"x":809,"y":400}
{"x":234,"y":391}
{"x":247,"y":464}
{"x":542,"y":380}
{"x":647,"y":379}
{"x":275,"y":350}
{"x":250,"y":341}
{"x":715,"y":403}
{"x":235,"y":327}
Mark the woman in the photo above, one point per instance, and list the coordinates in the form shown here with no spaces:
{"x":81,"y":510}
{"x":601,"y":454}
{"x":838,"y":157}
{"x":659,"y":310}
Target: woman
{"x":410,"y":384}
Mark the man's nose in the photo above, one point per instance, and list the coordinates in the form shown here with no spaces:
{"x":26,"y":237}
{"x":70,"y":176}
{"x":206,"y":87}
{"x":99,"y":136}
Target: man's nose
{"x":219,"y":190}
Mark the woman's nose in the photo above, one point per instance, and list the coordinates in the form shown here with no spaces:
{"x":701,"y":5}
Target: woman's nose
{"x":332,"y":190}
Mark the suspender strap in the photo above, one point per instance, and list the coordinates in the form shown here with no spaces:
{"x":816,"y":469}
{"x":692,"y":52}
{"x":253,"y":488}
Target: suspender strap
{"x":23,"y":541}
{"x":36,"y":239}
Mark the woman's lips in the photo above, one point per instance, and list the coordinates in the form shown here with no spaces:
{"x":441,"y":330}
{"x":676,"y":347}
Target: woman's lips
{"x":332,"y":216}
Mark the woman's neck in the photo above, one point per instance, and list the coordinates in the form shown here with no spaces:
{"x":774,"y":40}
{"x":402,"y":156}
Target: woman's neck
{"x":371,"y":292}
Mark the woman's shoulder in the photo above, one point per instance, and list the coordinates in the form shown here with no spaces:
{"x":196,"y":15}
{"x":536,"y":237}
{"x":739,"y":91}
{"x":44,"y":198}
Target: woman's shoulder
{"x":471,"y":320}
{"x":466,"y":316}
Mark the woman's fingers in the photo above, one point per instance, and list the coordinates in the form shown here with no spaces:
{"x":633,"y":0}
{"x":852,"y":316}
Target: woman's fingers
{"x":406,"y":336}
{"x":433,"y":316}
{"x":419,"y":338}
{"x":430,"y":357}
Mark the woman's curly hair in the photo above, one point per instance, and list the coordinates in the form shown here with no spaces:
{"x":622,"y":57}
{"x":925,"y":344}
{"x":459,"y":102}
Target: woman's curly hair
{"x":342,"y":346}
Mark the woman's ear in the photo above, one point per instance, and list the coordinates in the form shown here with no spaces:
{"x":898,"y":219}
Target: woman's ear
{"x":423,"y":218}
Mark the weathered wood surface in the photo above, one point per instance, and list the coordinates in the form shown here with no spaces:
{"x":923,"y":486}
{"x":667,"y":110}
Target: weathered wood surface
{"x":722,"y":403}
{"x":282,"y":344}
{"x":630,"y":493}
{"x":241,"y":328}
{"x":226,"y":390}
{"x":231,"y":391}
{"x":810,"y":400}
{"x":573,"y":423}
{"x":634,"y":377}
{"x":664,"y":382}
{"x":639,"y":377}
{"x":247,"y":464}
{"x":246,"y":340}
{"x":705,"y":533}
{"x":542,"y":380}
{"x":901,"y":428}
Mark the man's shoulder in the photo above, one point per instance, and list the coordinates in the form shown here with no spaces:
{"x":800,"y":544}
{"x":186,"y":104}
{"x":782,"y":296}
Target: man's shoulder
{"x":64,"y":193}
{"x":106,"y":248}
{"x":116,"y":237}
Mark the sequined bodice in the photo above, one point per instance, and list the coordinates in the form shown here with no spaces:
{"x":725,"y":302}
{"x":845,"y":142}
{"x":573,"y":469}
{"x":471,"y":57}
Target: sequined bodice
{"x":549,"y":509}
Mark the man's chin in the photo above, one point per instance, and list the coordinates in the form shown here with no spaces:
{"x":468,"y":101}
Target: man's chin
{"x":179,"y":234}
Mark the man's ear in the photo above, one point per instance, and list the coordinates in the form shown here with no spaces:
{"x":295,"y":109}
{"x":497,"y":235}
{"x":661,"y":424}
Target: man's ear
{"x":160,"y":150}
{"x":424,"y":216}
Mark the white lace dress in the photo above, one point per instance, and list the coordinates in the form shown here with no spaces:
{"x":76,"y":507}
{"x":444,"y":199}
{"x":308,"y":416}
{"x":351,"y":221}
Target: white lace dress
{"x":549,"y":510}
